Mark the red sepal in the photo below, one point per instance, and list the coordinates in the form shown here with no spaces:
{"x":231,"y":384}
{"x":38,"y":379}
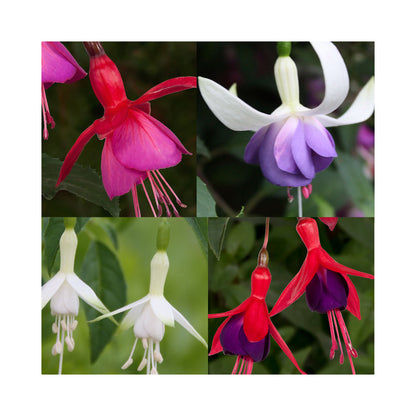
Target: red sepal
{"x":167,"y":87}
{"x":75,"y":151}
{"x":331,"y":222}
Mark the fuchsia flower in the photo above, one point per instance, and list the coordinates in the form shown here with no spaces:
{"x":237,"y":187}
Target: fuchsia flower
{"x":326,"y":284}
{"x":136,"y":144}
{"x":247,"y":329}
{"x":58,"y":65}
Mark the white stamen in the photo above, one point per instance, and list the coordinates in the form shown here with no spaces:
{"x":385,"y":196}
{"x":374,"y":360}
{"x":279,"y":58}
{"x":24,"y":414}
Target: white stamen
{"x":154,"y":371}
{"x":142,"y":364}
{"x":127,"y":364}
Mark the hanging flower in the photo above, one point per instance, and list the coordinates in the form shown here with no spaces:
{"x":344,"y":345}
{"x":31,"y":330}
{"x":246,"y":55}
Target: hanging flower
{"x":247,"y":329}
{"x":136,"y":144}
{"x":63,"y":291}
{"x":58,"y":65}
{"x":292,"y":144}
{"x":149,"y":315}
{"x":327,"y":286}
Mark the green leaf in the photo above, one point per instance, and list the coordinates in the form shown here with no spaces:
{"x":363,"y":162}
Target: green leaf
{"x":82,"y":182}
{"x":201,"y":149}
{"x":102,"y":272}
{"x":52,"y":234}
{"x":241,"y":240}
{"x":216,"y":234}
{"x":200,"y":227}
{"x":356,"y":184}
{"x":205,"y":202}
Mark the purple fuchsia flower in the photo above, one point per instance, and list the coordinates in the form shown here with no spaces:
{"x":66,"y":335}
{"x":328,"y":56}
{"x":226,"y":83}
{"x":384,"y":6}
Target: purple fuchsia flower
{"x":292,"y":144}
{"x":136,"y":145}
{"x":58,"y":65}
{"x":246,"y":331}
{"x":327,"y":287}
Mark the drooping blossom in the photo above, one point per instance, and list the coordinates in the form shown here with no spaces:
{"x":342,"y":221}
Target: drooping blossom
{"x":149,"y":315}
{"x":58,"y":65}
{"x":246,"y":331}
{"x":136,"y":145}
{"x":64,"y":291}
{"x":292,"y":143}
{"x":327,"y":286}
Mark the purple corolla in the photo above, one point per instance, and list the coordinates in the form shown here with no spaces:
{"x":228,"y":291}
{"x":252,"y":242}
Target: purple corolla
{"x":292,"y":144}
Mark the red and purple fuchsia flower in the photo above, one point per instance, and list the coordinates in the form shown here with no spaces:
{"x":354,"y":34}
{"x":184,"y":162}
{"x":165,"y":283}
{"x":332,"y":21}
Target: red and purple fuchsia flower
{"x":58,"y":65}
{"x":136,"y":145}
{"x":247,"y":329}
{"x":327,"y":286}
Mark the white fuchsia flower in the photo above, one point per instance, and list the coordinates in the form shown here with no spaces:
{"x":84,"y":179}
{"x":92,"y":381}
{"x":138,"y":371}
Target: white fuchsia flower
{"x":63,"y":291}
{"x":292,"y":143}
{"x":149,"y":315}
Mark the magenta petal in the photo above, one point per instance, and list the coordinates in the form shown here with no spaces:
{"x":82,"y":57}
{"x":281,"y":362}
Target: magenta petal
{"x":318,"y":138}
{"x":117,"y":179}
{"x":58,"y":65}
{"x":143,"y":143}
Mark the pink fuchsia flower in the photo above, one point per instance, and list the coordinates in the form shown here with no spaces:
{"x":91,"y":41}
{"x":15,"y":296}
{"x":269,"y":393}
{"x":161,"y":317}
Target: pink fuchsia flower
{"x":58,"y":65}
{"x":136,"y":145}
{"x":292,"y":143}
{"x":247,"y":329}
{"x":327,"y":286}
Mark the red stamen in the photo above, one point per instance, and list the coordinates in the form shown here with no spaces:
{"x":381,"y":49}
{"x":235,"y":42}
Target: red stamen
{"x":47,"y":118}
{"x":237,"y":361}
{"x":334,"y":346}
{"x":178,"y":201}
{"x":341,"y":351}
{"x":347,"y":340}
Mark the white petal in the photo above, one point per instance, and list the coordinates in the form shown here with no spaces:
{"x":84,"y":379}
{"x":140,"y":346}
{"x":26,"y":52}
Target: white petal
{"x":336,"y":79}
{"x":162,"y":309}
{"x":51,"y":287}
{"x":124,"y":308}
{"x":182,"y":321}
{"x":230,"y":110}
{"x":131,"y":317}
{"x":360,"y":110}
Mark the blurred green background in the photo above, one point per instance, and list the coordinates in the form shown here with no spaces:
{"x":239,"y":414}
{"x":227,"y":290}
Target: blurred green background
{"x":133,"y":243}
{"x":74,"y":107}
{"x":306,"y":333}
{"x":343,"y":189}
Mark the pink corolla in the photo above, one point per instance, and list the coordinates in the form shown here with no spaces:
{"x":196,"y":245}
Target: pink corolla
{"x":58,"y":65}
{"x":136,"y":145}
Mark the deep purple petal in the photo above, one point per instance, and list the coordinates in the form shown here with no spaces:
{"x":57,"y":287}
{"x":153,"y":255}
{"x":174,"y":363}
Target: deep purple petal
{"x":321,"y":163}
{"x":58,"y":65}
{"x":270,"y":169}
{"x":302,"y":154}
{"x":117,"y":179}
{"x":143,"y":143}
{"x":318,"y":138}
{"x":251,"y":153}
{"x":259,"y":350}
{"x":229,"y":336}
{"x":327,"y":290}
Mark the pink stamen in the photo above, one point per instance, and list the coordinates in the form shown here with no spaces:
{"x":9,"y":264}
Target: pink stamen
{"x":178,"y":201}
{"x":156,"y":193}
{"x":341,"y":351}
{"x":307,"y":191}
{"x":47,"y":118}
{"x":164,"y":197}
{"x":290,"y":197}
{"x":147,"y":196}
{"x":135,"y":201}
